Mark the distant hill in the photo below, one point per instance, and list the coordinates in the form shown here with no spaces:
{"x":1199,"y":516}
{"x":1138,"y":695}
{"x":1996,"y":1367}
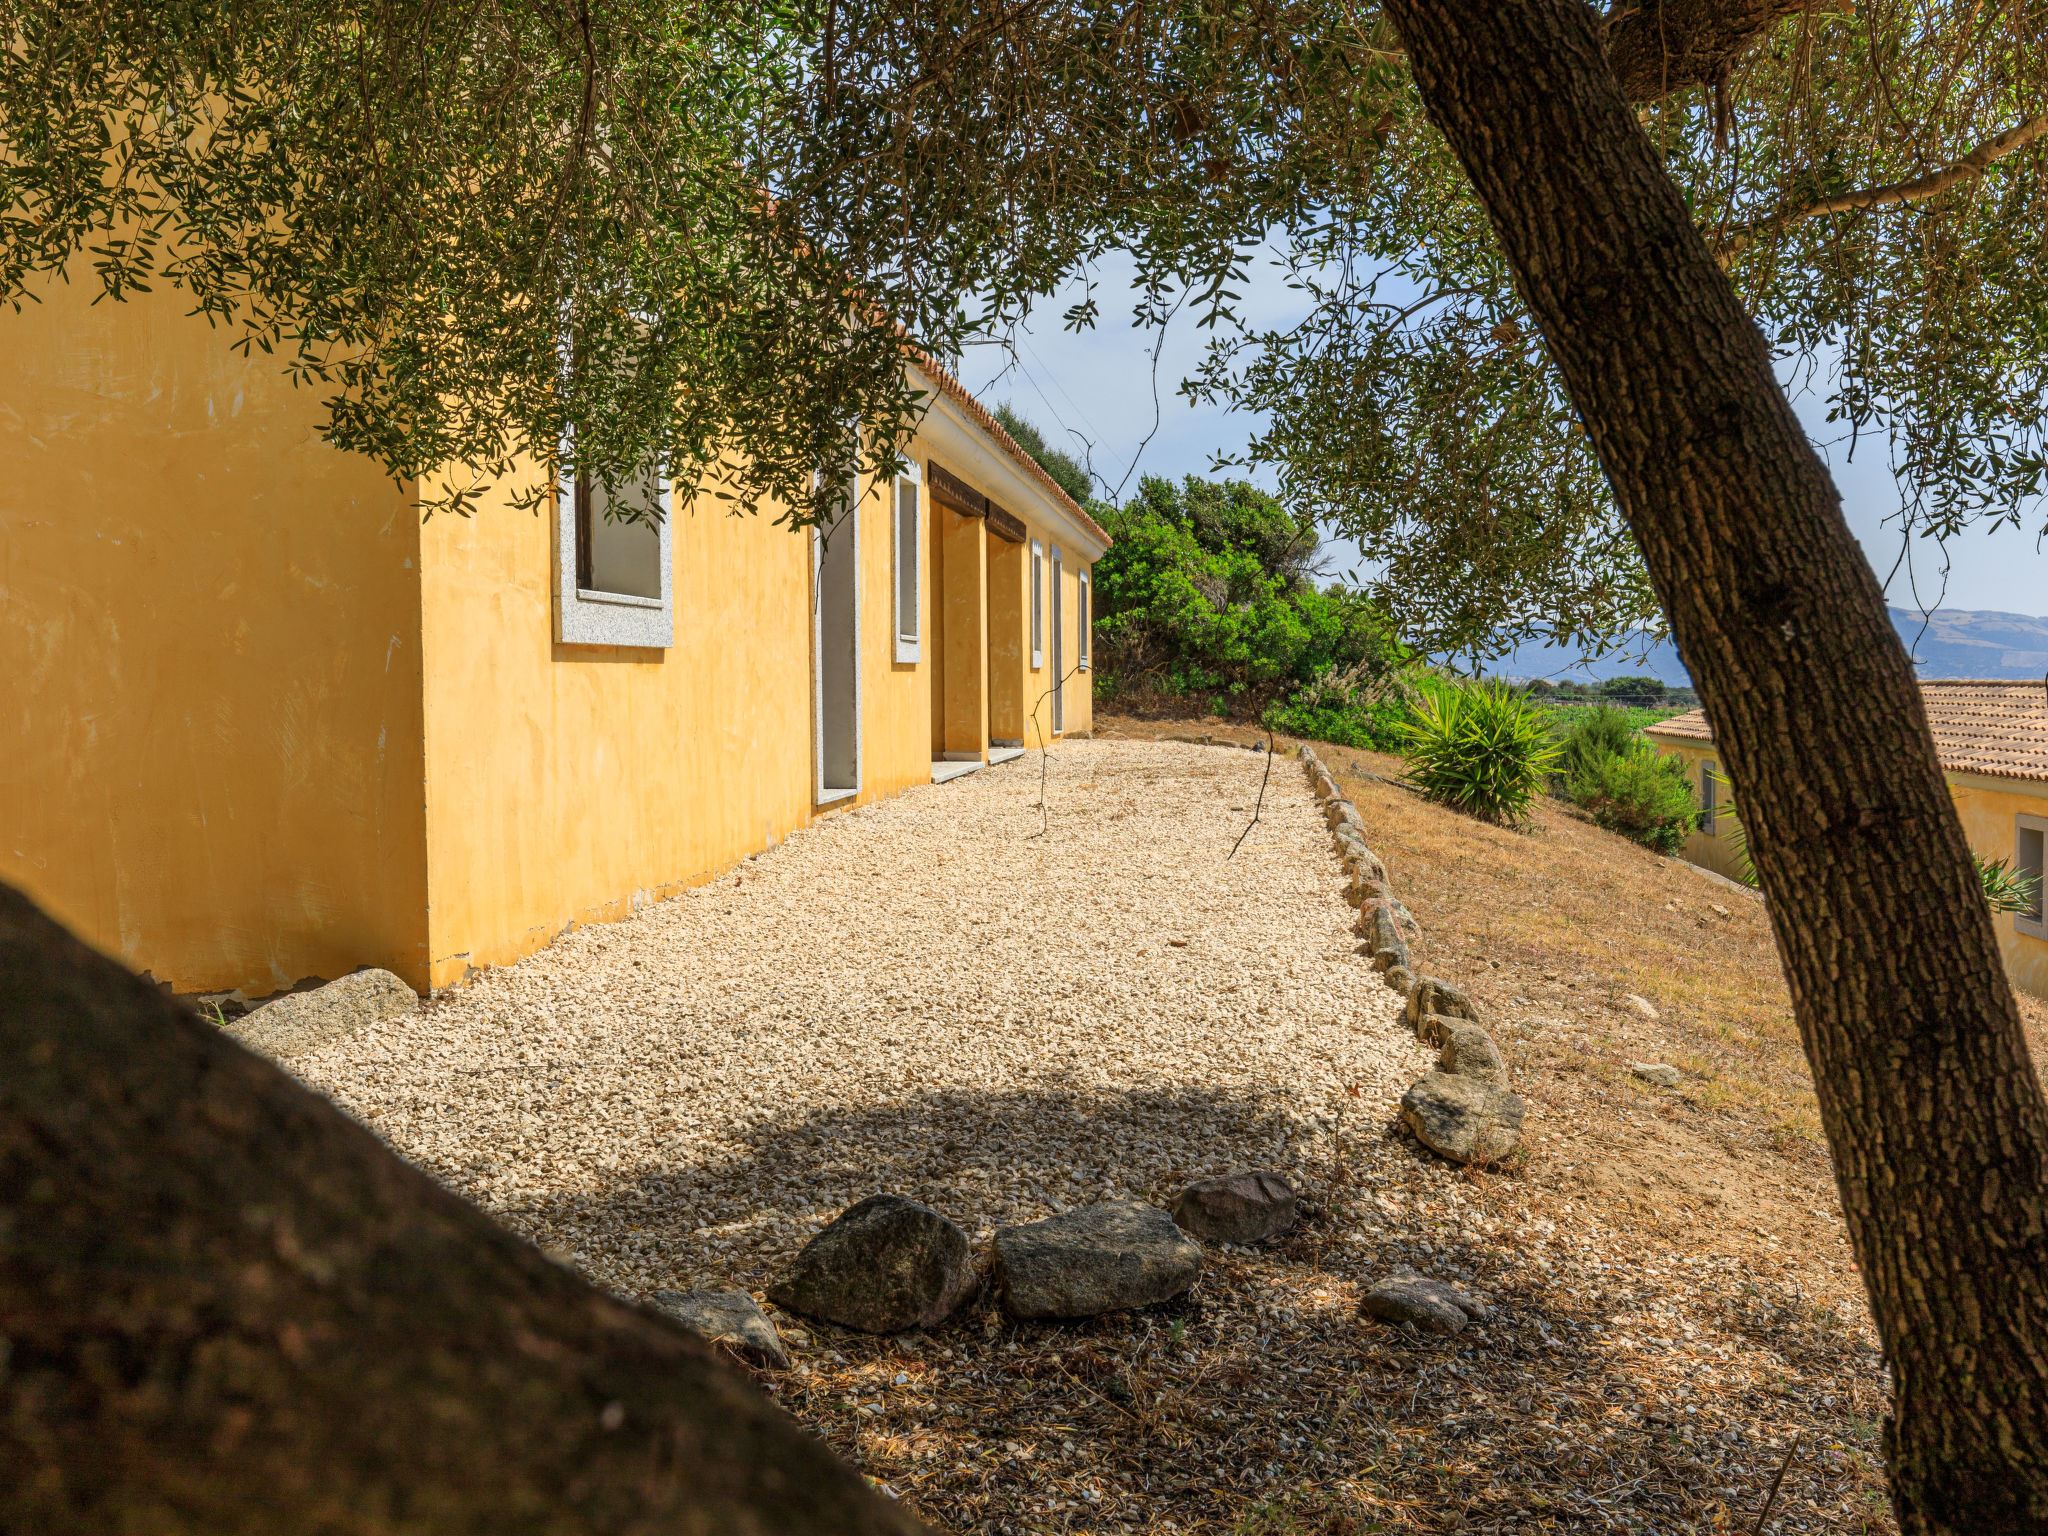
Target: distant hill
{"x":1961,"y":644}
{"x":1954,"y":643}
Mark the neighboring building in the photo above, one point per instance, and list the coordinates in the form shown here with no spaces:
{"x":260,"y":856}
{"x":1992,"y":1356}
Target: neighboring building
{"x":265,"y":724}
{"x":1993,"y":740}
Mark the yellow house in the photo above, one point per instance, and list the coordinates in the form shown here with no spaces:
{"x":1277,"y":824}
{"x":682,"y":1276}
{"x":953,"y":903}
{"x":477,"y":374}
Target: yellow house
{"x":264,"y":723}
{"x":1993,"y":740}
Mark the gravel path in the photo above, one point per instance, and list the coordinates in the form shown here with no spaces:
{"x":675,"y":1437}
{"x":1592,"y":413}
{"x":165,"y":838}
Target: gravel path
{"x":923,"y":996}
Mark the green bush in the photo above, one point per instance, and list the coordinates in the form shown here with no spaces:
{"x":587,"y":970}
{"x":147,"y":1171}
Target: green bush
{"x":1341,"y":718}
{"x":1208,"y":594}
{"x":1638,"y":794}
{"x":1588,"y":735}
{"x":1480,"y":748}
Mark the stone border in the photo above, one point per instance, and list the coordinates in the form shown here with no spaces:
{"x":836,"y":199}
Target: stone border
{"x":1464,"y":1110}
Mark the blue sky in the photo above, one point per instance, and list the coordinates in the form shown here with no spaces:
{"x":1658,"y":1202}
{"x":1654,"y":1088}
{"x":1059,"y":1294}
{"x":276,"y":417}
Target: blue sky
{"x":1098,"y":386}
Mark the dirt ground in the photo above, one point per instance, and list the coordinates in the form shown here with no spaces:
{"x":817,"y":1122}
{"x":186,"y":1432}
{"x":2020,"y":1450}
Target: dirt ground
{"x":683,"y":1098}
{"x":1586,"y":954}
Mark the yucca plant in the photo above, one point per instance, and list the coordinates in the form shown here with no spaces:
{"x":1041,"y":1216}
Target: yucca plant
{"x":1480,"y":748}
{"x":2007,"y":888}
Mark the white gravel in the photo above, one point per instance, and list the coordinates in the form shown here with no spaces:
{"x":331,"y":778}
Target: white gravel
{"x":923,"y":996}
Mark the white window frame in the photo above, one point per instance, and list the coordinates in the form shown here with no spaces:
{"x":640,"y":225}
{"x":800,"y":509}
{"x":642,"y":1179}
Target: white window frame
{"x":1037,"y":605}
{"x":2033,"y":927}
{"x":1084,"y":619}
{"x":586,"y":617}
{"x":909,"y":607}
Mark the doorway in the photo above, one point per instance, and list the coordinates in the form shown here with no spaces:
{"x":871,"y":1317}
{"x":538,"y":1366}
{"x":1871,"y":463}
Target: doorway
{"x":835,"y":655}
{"x":1057,"y":682}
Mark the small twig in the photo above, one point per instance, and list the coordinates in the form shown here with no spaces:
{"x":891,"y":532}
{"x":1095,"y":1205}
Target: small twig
{"x":1045,"y":745}
{"x":1247,"y":832}
{"x":1771,"y":1499}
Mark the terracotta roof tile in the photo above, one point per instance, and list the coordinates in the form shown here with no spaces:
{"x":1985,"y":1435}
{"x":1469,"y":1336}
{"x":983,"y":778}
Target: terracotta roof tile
{"x":1997,"y":728}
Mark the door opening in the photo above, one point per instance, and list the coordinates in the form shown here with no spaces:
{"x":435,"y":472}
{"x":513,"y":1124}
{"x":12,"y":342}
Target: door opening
{"x":835,"y":654}
{"x":1058,"y":681}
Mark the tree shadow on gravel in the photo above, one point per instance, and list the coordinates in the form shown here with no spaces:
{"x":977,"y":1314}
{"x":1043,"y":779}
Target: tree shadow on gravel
{"x":1616,"y":1387}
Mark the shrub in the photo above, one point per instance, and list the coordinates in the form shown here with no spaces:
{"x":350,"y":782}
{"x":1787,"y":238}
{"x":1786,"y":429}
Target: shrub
{"x":1345,"y":720}
{"x":1638,"y":794}
{"x":1480,"y":748}
{"x":1208,"y":591}
{"x":1592,"y":734}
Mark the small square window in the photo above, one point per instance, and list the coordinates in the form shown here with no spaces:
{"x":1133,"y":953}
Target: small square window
{"x":613,"y":573}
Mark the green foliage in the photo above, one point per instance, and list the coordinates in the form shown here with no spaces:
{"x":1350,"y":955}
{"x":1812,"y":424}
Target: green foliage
{"x":1588,"y":736}
{"x":1065,"y":469}
{"x":1208,"y":591}
{"x":1634,"y":690}
{"x":493,"y":237}
{"x":1639,"y":794}
{"x":1481,"y":748}
{"x":2007,"y":888}
{"x":1321,"y":712}
{"x":416,"y":205}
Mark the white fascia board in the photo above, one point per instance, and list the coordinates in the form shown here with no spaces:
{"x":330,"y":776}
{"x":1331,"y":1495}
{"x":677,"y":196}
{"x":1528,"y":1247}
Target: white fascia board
{"x":950,"y":436}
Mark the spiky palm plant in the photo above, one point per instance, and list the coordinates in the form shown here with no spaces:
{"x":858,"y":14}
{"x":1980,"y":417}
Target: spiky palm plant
{"x":1481,"y":748}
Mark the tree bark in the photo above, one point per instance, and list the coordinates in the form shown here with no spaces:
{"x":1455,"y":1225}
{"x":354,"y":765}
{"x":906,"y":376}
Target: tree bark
{"x":1932,"y":1109}
{"x":1664,"y":46}
{"x":227,"y":1308}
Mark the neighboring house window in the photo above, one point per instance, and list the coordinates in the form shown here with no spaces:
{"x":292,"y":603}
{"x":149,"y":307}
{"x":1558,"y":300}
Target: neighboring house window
{"x":1708,"y":784}
{"x":909,"y":567}
{"x":1083,"y":621}
{"x":1059,"y":649}
{"x":2030,"y":858}
{"x":614,"y":575}
{"x":1037,"y":605}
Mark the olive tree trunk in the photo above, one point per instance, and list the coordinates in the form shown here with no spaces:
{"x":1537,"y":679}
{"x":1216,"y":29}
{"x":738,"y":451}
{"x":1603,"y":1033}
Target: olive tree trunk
{"x":226,"y":1308}
{"x":1932,"y":1109}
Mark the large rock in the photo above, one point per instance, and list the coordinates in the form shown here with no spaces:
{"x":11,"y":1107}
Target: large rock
{"x":1663,"y":1074}
{"x":1430,"y":995}
{"x":304,"y":1021}
{"x":884,"y":1265}
{"x":1465,"y":1119}
{"x":1406,"y":1297}
{"x":1469,"y":1051}
{"x":729,"y":1318}
{"x":1097,"y":1258}
{"x":1241,"y":1209}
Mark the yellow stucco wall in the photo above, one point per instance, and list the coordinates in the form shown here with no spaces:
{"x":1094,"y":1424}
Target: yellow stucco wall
{"x":571,"y":783}
{"x":1988,"y":807}
{"x":211,"y":627}
{"x":265,"y":726}
{"x":1715,"y":848}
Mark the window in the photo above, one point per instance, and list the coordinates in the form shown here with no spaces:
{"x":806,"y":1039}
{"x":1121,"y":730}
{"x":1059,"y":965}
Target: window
{"x":1059,"y":650}
{"x":1708,"y":784}
{"x":1083,"y":620}
{"x":1037,"y":605}
{"x":614,"y":572}
{"x":909,"y":566}
{"x":2030,"y":859}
